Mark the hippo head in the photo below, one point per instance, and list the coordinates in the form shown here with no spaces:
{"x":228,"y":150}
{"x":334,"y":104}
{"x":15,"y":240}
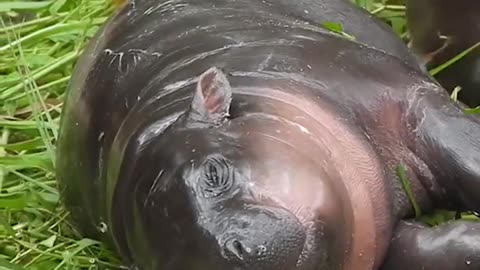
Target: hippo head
{"x":228,"y":193}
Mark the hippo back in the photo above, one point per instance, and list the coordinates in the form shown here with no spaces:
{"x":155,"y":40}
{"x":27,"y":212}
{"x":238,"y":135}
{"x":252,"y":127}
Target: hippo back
{"x":365,"y":27}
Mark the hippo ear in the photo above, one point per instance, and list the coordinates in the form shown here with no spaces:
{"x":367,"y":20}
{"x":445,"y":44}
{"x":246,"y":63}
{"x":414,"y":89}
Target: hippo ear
{"x":212,"y":98}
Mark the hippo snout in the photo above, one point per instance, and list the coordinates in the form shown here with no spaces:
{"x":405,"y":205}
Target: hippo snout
{"x":264,"y":240}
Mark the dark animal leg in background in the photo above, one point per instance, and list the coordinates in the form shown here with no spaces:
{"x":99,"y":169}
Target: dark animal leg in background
{"x":452,"y":245}
{"x":448,"y":141}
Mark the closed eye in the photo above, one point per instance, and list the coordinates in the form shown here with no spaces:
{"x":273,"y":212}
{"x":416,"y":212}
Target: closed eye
{"x":217,"y":177}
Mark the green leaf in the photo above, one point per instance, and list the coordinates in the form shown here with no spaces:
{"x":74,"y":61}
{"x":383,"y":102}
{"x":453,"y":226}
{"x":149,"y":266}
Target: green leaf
{"x":337,"y":28}
{"x":472,"y":111}
{"x":455,"y":59}
{"x":47,"y":200}
{"x":470,"y":217}
{"x":391,"y":14}
{"x":49,"y":242}
{"x":14,"y":202}
{"x":49,"y":31}
{"x":41,"y":161}
{"x":38,"y":60}
{"x":398,"y":24}
{"x":365,"y":4}
{"x":6,"y":265}
{"x":43,"y":265}
{"x":81,"y":245}
{"x":402,"y":175}
{"x":437,"y":217}
{"x":6,"y":80}
{"x":5,"y":227}
{"x":23,"y":124}
{"x":23,"y":5}
{"x":56,"y":6}
{"x":24,"y":145}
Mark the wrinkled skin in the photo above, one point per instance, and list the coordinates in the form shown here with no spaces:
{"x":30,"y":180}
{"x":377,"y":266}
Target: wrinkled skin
{"x":441,"y":30}
{"x":229,"y":135}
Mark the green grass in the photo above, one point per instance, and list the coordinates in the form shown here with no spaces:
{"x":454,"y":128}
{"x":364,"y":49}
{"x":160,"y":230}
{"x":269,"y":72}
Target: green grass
{"x":37,"y":54}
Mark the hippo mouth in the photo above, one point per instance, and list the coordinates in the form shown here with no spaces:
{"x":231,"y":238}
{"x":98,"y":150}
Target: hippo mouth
{"x":274,"y":239}
{"x":310,"y":255}
{"x":309,"y":216}
{"x":312,"y":252}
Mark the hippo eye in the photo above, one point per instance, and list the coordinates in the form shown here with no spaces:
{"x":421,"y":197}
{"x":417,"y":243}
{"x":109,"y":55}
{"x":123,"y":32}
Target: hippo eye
{"x":217,"y":177}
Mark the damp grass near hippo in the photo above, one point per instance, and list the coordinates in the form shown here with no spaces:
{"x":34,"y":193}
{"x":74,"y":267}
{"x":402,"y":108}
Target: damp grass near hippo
{"x":39,"y":45}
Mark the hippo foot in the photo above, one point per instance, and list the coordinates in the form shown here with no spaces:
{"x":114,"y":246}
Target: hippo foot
{"x":447,"y":140}
{"x":452,"y":245}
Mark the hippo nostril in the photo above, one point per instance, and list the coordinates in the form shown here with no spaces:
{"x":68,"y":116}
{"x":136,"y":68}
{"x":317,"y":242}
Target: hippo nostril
{"x":235,"y":247}
{"x":273,"y":240}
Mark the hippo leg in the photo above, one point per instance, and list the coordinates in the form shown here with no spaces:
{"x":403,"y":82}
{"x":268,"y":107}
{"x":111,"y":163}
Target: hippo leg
{"x":451,"y":245}
{"x":448,"y":141}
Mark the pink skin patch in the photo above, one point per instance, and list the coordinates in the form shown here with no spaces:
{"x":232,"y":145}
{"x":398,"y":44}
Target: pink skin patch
{"x":362,"y":178}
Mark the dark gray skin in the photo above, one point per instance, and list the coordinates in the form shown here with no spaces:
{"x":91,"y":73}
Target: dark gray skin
{"x":441,"y":30}
{"x":231,"y":135}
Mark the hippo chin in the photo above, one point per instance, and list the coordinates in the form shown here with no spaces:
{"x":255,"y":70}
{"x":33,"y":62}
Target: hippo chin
{"x":234,"y":135}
